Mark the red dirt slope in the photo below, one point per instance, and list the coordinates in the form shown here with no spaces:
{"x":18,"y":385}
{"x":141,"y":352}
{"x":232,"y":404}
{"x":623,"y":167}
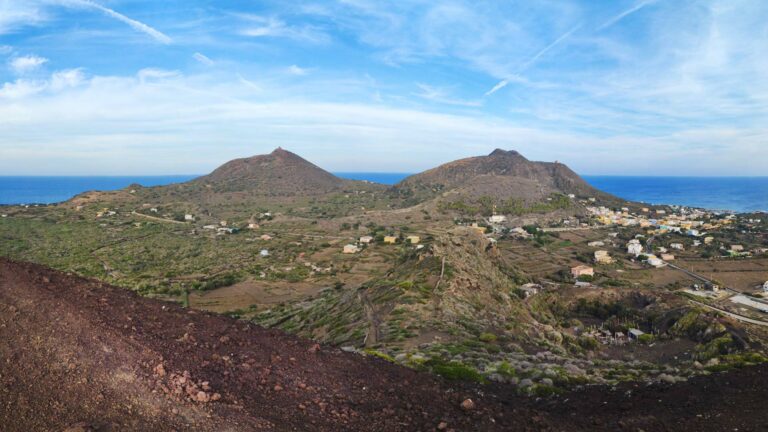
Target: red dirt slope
{"x":73,"y":351}
{"x":82,"y":355}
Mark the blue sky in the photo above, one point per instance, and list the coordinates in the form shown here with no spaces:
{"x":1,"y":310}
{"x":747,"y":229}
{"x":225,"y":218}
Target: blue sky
{"x":635,"y":87}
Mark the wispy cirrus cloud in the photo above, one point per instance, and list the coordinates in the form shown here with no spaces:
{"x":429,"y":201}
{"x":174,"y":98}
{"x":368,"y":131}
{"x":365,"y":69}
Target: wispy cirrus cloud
{"x":441,"y":95}
{"x":272,"y":27}
{"x":139,"y":126}
{"x":202,"y":58}
{"x":14,"y":15}
{"x":503,"y":83}
{"x":134,"y":24}
{"x":297,"y":70}
{"x":615,"y":19}
{"x":670,"y":81}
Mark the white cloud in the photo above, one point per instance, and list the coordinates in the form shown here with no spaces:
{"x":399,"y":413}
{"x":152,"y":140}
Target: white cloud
{"x":153,"y":74}
{"x":442,"y":96}
{"x":296,"y":70}
{"x":203,"y":59}
{"x":64,"y":79}
{"x":274,"y":27}
{"x":21,"y":88}
{"x":22,"y":65}
{"x":57,"y":82}
{"x":133,"y":125}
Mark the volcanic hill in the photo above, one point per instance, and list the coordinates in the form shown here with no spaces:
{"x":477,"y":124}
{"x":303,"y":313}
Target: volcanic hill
{"x":278,"y":173}
{"x":501,"y":175}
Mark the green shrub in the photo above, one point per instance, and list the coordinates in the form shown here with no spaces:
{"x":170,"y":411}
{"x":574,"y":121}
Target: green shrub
{"x":454,"y":371}
{"x":646,"y":338}
{"x":487,"y":337}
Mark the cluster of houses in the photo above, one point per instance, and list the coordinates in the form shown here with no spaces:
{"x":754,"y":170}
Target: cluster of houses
{"x":689,"y":222}
{"x":607,"y":337}
{"x":363,"y":241}
{"x":105,"y":212}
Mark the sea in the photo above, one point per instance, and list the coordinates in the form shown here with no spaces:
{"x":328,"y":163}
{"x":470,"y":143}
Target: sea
{"x":740,"y":194}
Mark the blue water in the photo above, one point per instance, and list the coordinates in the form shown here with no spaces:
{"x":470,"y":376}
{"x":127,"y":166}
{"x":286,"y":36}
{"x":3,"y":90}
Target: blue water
{"x":47,"y":190}
{"x":741,"y":194}
{"x":383,"y":178}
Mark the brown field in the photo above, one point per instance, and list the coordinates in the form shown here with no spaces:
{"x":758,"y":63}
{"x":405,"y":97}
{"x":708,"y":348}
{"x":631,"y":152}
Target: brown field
{"x":741,"y":275}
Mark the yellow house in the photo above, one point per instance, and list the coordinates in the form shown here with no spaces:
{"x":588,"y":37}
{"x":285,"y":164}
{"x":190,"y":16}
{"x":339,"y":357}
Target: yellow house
{"x":582,"y":270}
{"x":602,"y":257}
{"x":478,"y":228}
{"x":413,"y":239}
{"x":390,"y":239}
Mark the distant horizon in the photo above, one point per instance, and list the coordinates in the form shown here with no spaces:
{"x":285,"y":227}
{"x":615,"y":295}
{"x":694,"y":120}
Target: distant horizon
{"x":338,"y":174}
{"x":737,"y":193}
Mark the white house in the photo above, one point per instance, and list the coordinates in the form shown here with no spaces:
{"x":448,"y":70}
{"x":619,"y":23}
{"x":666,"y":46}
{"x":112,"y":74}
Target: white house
{"x":497,"y":219}
{"x":634,"y":248}
{"x":596,"y":244}
{"x":264,"y":253}
{"x":765,"y":286}
{"x":654,"y":261}
{"x":530,"y":289}
{"x":366,"y":239}
{"x":189,"y":217}
{"x":634,"y":334}
{"x":678,"y":246}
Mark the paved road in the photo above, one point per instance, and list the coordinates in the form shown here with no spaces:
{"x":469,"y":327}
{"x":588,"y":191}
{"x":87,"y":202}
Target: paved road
{"x":159,"y":219}
{"x":738,"y":317}
{"x":565,"y":229}
{"x":723,"y":311}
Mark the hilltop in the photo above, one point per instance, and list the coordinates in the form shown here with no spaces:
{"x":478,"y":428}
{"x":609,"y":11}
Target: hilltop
{"x":278,"y":173}
{"x":501,"y":175}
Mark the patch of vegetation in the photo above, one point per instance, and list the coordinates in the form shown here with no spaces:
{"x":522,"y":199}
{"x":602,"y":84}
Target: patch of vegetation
{"x":486,"y":206}
{"x":454,"y":370}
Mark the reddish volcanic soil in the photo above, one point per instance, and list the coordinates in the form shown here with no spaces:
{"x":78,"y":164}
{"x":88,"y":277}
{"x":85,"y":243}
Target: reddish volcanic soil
{"x":80,"y":355}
